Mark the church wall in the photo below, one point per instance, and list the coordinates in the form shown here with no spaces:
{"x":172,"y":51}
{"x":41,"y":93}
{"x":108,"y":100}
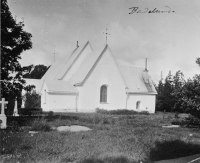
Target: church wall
{"x":61,"y":102}
{"x":57,"y":102}
{"x":147,"y":102}
{"x":44,"y":97}
{"x":78,"y":62}
{"x":105,"y":73}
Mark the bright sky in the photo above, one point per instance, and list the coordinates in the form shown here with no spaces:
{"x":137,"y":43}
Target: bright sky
{"x":170,"y":40}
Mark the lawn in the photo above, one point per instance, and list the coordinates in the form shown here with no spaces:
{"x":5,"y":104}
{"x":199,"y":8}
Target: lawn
{"x":122,"y":139}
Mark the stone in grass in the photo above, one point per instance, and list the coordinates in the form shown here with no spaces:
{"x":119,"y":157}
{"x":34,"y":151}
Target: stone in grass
{"x":73,"y":128}
{"x":171,"y":126}
{"x":33,"y":132}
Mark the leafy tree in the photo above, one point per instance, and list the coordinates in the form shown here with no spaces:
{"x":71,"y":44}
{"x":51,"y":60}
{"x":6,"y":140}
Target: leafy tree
{"x":177,"y":94}
{"x":14,"y":41}
{"x":32,"y":100}
{"x":198,"y":61}
{"x":160,"y":96}
{"x":164,"y":100}
{"x":36,"y":72}
{"x":167,"y":99}
{"x":188,"y":98}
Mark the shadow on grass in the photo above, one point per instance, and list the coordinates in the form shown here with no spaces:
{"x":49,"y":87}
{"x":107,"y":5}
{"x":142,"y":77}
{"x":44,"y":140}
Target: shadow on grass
{"x":27,"y":120}
{"x":173,"y":149}
{"x":120,"y":159}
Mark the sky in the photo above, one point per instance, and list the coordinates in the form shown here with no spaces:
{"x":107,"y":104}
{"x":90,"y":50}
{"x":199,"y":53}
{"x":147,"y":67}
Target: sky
{"x":168,"y":36}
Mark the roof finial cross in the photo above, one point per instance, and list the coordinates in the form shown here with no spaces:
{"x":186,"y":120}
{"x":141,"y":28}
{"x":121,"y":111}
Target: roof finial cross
{"x":106,"y":33}
{"x":54,"y":54}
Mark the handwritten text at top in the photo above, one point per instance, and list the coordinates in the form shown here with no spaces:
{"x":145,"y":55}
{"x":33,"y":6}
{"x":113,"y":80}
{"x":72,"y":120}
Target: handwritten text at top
{"x":136,"y":10}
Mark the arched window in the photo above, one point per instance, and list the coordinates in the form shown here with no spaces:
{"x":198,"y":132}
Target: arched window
{"x":103,"y":93}
{"x":45,"y":93}
{"x":138,"y":104}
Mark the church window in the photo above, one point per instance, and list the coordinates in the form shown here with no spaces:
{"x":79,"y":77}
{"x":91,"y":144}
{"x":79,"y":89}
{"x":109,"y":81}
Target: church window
{"x":103,"y":93}
{"x":138,"y":104}
{"x":45,"y":92}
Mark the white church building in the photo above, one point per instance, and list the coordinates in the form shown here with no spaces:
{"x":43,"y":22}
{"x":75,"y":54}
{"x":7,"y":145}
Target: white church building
{"x":87,"y":79}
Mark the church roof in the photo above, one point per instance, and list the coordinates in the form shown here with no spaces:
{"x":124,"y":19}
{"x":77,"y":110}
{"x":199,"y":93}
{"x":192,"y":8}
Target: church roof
{"x":60,"y":86}
{"x":56,"y":66}
{"x":134,"y":78}
{"x":85,"y":67}
{"x":67,"y":65}
{"x":60,"y":67}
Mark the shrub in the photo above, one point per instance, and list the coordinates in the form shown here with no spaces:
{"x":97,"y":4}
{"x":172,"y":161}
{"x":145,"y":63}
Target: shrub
{"x":144,"y":112}
{"x":193,"y":121}
{"x":40,"y":125}
{"x":96,"y":118}
{"x":50,"y":114}
{"x":190,"y":121}
{"x":102,"y":111}
{"x":116,"y":112}
{"x":105,"y":120}
{"x":30,"y":111}
{"x":178,"y":122}
{"x":32,"y":99}
{"x":119,"y":159}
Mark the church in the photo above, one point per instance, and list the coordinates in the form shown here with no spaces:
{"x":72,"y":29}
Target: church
{"x":87,"y":79}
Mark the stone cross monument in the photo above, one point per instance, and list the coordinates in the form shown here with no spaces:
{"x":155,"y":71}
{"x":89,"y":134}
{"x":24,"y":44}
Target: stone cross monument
{"x":3,"y":118}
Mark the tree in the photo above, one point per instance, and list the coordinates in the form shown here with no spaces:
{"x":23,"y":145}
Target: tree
{"x":164,"y":100}
{"x":177,"y":94}
{"x":32,"y":100}
{"x":167,"y":97}
{"x":14,"y":41}
{"x":160,"y":96}
{"x":190,"y":96}
{"x":198,"y":61}
{"x":36,"y":72}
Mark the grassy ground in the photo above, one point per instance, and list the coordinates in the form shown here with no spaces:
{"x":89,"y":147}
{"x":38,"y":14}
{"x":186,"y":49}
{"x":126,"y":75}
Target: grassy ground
{"x":125,"y":139}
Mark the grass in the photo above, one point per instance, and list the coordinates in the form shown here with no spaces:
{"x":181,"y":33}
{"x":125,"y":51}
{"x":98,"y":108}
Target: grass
{"x":125,"y":139}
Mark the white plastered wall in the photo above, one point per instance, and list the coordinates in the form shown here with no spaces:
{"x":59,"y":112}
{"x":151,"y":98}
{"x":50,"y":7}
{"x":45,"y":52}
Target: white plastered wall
{"x":107,"y":73}
{"x":57,"y":102}
{"x":147,"y":102}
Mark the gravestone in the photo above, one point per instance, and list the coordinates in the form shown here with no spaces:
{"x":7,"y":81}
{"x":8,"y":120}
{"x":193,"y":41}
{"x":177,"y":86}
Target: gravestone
{"x":15,"y":113}
{"x":3,"y":118}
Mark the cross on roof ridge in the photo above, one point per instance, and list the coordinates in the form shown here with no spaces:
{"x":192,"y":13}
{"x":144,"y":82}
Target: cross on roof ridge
{"x":106,"y":34}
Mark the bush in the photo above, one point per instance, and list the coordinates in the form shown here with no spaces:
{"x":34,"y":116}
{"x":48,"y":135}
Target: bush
{"x":144,"y":112}
{"x":190,"y":121}
{"x":101,"y":111}
{"x":193,"y":121}
{"x":122,"y":112}
{"x":178,"y":122}
{"x":50,"y":114}
{"x":97,"y":118}
{"x":30,"y":111}
{"x":119,"y":159}
{"x":116,"y":112}
{"x":32,"y":99}
{"x":40,"y":125}
{"x":106,"y":120}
